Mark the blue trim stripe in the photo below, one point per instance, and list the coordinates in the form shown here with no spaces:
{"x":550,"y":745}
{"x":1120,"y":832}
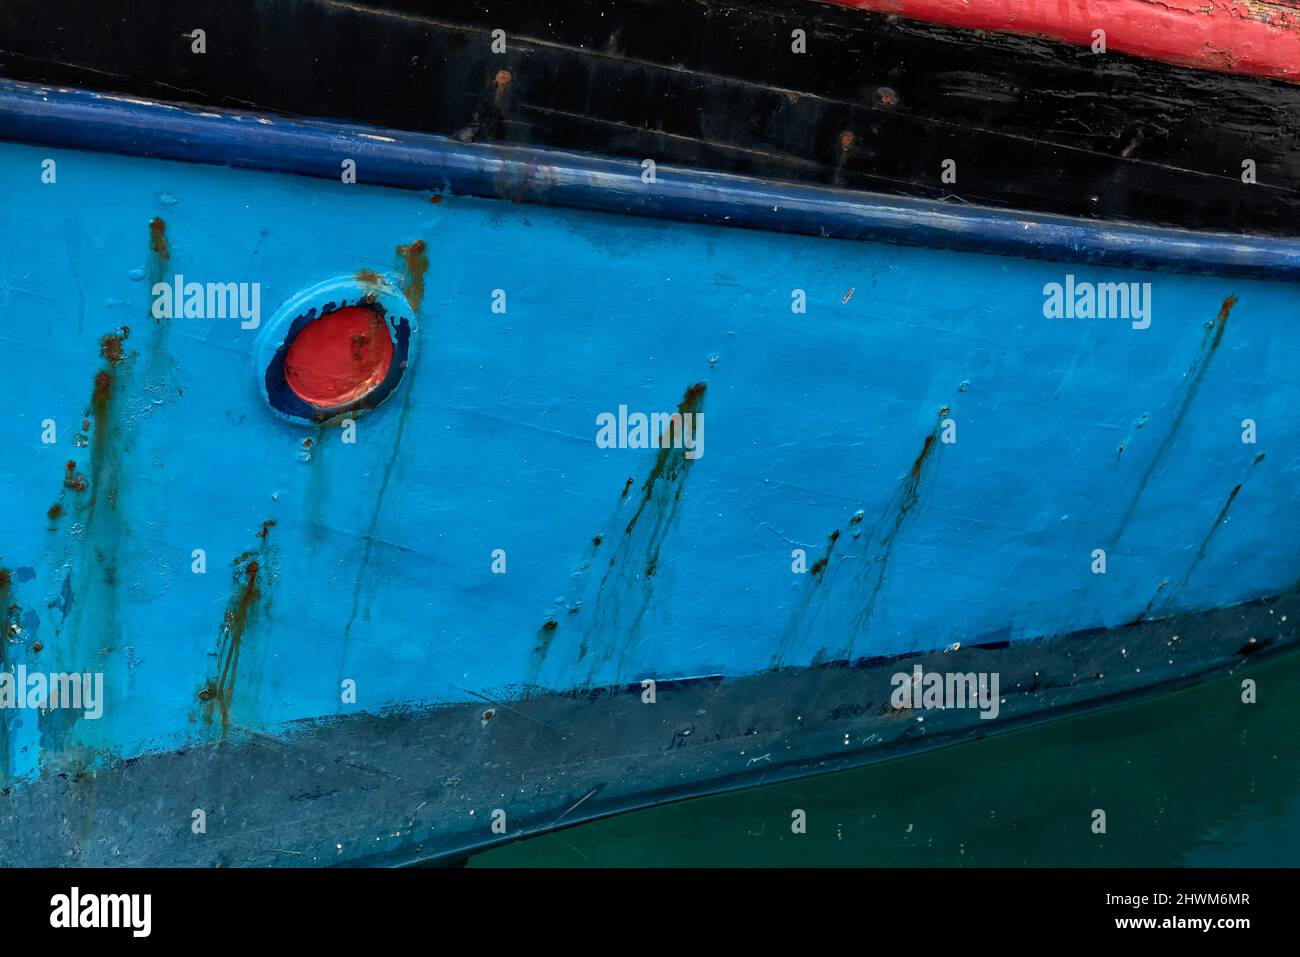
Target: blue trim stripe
{"x":79,"y":119}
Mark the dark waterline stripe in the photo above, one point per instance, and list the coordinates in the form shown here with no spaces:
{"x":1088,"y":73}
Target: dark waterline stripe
{"x":78,"y":119}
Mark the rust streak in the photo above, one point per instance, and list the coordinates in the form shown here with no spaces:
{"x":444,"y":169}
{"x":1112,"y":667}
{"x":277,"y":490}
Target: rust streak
{"x":72,"y":479}
{"x":907,"y":499}
{"x":233,"y":626}
{"x":666,"y":464}
{"x":246,"y":579}
{"x":1219,"y":519}
{"x":1141,"y":616}
{"x":625,"y":589}
{"x":1224,"y":310}
{"x":1193,"y":378}
{"x":417,"y":264}
{"x":545,"y":635}
{"x":103,"y":392}
{"x":110,"y":346}
{"x":9,"y":613}
{"x":920,"y":459}
{"x":103,"y":459}
{"x":158,"y":240}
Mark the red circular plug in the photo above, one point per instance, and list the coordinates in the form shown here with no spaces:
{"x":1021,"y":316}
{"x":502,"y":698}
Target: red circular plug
{"x":339,"y":357}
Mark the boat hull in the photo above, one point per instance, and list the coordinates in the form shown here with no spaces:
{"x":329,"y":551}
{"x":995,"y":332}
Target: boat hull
{"x":422,"y":784}
{"x":475,"y":607}
{"x":869,"y":102}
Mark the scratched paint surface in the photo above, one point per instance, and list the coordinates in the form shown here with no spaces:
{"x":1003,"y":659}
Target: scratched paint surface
{"x":1247,"y":36}
{"x":372,"y":561}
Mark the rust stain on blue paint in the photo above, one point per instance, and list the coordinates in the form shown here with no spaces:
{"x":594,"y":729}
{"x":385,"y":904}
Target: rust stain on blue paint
{"x":105,"y":459}
{"x":880,"y":540}
{"x":10,"y":613}
{"x":415,"y":265}
{"x":626,"y":587}
{"x":159,"y":250}
{"x":92,"y":495}
{"x":90,"y":491}
{"x":803,"y":611}
{"x":1219,"y":520}
{"x":416,"y":262}
{"x":249,"y":573}
{"x":1195,"y":375}
{"x":893,"y":521}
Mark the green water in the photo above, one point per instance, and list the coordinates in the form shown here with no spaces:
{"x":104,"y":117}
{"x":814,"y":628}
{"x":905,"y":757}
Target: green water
{"x":1193,"y":778}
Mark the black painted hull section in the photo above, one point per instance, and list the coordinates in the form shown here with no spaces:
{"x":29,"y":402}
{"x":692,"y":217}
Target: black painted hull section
{"x":409,"y":786}
{"x":876,"y":103}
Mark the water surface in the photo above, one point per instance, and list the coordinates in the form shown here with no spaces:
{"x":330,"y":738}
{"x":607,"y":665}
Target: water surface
{"x":1191,"y":778}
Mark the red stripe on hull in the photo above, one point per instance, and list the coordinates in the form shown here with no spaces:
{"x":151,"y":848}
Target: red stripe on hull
{"x":1230,"y":36}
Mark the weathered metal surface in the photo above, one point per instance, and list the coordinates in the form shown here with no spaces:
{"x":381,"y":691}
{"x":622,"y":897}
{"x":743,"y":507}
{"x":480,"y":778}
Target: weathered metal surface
{"x":876,"y":102}
{"x":95,"y":121}
{"x":421,"y":783}
{"x":372,"y":562}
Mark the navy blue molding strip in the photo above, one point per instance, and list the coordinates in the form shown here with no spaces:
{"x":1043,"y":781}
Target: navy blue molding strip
{"x":79,"y":119}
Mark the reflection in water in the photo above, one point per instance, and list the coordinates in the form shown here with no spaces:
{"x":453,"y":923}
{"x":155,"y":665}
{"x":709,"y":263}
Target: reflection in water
{"x":1194,"y":778}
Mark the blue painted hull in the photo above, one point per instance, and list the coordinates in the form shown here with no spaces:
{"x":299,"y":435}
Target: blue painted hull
{"x":940,"y":458}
